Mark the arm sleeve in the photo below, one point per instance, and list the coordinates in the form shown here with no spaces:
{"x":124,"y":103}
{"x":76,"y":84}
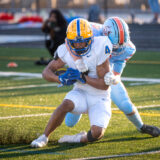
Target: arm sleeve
{"x":104,"y":51}
{"x":119,"y":66}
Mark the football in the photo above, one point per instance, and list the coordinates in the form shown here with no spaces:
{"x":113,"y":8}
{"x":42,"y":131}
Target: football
{"x":60,"y":71}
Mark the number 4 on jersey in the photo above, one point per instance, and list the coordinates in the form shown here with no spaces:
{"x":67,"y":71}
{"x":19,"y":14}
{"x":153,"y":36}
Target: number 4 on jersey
{"x":107,"y":50}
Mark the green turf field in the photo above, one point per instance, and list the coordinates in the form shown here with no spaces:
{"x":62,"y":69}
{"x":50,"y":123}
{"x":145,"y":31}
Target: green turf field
{"x":20,"y":96}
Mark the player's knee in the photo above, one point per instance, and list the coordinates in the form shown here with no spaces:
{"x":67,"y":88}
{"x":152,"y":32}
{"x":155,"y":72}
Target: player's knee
{"x":126,"y":106}
{"x":95,"y":133}
{"x":66,"y":106}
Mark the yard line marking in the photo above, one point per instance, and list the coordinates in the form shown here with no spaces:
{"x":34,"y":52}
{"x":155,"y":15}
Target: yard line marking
{"x":51,"y":107}
{"x":27,"y":115}
{"x":25,"y":106}
{"x":143,"y":114}
{"x":120,"y":155}
{"x":28,"y":86}
{"x":55,"y":84}
{"x":20,"y":38}
{"x":140,"y":107}
{"x":8,"y":74}
{"x":154,"y":80}
{"x":114,"y":110}
{"x":144,"y":62}
{"x":39,"y":75}
{"x":150,"y":106}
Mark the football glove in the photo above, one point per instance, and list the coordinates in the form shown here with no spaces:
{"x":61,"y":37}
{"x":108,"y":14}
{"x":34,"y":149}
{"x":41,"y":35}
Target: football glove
{"x":65,"y":78}
{"x":74,"y":74}
{"x":110,"y":79}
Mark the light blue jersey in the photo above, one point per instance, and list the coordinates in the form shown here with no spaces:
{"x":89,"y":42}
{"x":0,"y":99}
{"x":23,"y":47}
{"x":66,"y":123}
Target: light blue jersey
{"x":97,"y":29}
{"x":121,"y":55}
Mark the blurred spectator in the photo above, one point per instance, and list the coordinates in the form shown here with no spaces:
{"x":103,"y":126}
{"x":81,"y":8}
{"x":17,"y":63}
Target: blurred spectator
{"x":94,"y":13}
{"x":55,"y":26}
{"x":154,"y":6}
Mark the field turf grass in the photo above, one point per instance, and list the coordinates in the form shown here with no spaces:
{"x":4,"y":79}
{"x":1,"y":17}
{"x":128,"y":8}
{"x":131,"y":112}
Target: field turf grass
{"x":121,"y":136}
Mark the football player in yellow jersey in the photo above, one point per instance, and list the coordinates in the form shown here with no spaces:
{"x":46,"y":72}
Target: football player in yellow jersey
{"x":90,"y":94}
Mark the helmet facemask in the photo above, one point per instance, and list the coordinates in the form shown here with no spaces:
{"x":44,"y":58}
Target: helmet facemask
{"x":80,"y":51}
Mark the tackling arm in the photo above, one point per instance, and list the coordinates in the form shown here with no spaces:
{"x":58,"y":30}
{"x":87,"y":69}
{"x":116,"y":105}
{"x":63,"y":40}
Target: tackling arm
{"x":99,"y":82}
{"x":48,"y":73}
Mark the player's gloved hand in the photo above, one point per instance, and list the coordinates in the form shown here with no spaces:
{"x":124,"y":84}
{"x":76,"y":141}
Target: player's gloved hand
{"x":76,"y":75}
{"x":81,"y":66}
{"x":65,"y":78}
{"x":110,"y":79}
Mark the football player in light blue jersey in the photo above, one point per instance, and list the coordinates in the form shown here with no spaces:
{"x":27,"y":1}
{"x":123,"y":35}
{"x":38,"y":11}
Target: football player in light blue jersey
{"x":123,"y":49}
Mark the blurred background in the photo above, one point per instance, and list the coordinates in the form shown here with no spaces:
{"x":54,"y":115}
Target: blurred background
{"x":21,"y":20}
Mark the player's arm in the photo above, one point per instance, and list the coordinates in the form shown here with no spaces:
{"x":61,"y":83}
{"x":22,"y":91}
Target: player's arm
{"x":48,"y":73}
{"x":99,"y":82}
{"x":113,"y":77}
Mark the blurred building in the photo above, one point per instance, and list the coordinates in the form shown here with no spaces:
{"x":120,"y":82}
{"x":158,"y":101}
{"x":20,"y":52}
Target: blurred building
{"x":71,"y":4}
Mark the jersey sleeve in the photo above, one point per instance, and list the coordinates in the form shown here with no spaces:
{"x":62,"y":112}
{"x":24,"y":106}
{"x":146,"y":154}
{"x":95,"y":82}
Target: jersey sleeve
{"x":97,"y":29}
{"x":104,"y":49}
{"x":130,"y":49}
{"x":61,"y":50}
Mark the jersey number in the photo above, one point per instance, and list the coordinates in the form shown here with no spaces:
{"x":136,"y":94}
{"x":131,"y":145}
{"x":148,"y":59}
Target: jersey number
{"x":107,"y":50}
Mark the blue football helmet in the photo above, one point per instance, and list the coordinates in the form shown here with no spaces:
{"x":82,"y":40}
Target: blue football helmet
{"x":117,"y":30}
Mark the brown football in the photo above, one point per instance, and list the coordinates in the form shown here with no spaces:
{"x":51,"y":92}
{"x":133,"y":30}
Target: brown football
{"x":60,"y":71}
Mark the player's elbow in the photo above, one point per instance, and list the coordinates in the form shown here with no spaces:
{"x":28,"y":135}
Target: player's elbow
{"x":103,"y":86}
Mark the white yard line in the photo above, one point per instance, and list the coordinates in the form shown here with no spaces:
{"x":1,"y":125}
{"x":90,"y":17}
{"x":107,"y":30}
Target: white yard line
{"x":133,"y":79}
{"x":54,"y":84}
{"x":119,"y":155}
{"x":27,"y":115}
{"x":20,"y":38}
{"x":20,"y":74}
{"x":39,"y":75}
{"x":28,"y":86}
{"x":23,"y":75}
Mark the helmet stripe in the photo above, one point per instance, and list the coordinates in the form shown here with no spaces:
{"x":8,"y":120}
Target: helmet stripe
{"x":121,"y":30}
{"x":78,"y":27}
